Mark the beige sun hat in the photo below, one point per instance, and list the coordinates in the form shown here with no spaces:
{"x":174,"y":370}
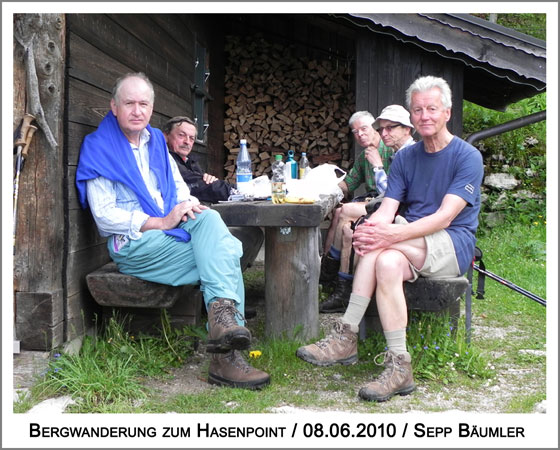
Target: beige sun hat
{"x":394,"y":113}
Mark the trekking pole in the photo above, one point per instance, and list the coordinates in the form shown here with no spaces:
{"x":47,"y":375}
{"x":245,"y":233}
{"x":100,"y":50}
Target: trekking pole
{"x":510,"y":285}
{"x":22,"y":146}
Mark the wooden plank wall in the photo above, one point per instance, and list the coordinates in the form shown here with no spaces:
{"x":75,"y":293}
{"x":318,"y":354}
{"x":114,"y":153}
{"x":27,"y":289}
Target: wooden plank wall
{"x":386,"y":68}
{"x":39,"y":240}
{"x":102,"y":47}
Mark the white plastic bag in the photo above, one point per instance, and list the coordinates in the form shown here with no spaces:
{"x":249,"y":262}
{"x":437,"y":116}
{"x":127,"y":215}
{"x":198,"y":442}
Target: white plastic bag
{"x":321,"y":180}
{"x":261,"y":187}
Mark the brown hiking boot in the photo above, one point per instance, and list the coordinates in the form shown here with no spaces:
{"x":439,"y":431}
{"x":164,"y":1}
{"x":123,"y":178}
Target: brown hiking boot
{"x":395,"y":379}
{"x":231,"y":369}
{"x":224,"y":333}
{"x":338,"y":300}
{"x":329,"y":269}
{"x":339,"y":347}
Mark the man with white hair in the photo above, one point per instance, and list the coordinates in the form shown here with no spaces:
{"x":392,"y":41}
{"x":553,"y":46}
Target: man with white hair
{"x":439,"y":179}
{"x":395,"y":129}
{"x":373,"y":158}
{"x":157,"y":231}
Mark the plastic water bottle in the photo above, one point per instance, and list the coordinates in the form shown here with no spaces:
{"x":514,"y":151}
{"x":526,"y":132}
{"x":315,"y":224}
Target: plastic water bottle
{"x":304,"y":167}
{"x":278,"y":181}
{"x":290,"y":168}
{"x":244,"y":172}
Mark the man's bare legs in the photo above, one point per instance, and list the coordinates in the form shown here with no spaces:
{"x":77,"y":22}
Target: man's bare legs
{"x":338,"y":257}
{"x":383,"y":271}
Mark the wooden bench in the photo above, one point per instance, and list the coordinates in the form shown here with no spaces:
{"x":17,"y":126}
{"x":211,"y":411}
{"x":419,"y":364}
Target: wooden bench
{"x":426,"y":294}
{"x":142,"y":301}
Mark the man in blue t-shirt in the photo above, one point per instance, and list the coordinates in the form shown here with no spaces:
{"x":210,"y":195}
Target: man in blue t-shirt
{"x":439,"y":180}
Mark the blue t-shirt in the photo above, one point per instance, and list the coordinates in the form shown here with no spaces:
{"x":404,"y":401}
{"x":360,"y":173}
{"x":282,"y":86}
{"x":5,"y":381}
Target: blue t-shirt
{"x":421,"y":180}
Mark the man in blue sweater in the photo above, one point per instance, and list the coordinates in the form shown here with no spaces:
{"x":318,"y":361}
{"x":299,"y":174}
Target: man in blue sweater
{"x":439,"y":179}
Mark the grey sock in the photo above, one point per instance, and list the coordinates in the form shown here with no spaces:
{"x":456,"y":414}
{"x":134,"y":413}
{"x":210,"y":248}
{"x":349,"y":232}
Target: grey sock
{"x":355,"y":312}
{"x":396,"y":340}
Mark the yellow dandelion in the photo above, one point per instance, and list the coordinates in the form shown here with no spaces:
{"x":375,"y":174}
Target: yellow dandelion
{"x":255,"y":354}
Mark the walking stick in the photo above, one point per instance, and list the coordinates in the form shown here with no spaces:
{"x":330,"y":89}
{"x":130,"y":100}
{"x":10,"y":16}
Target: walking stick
{"x":510,"y":285}
{"x":22,"y":144}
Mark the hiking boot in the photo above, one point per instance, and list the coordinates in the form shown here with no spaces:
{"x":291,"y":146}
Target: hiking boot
{"x":231,"y":369}
{"x":224,"y":333}
{"x":339,"y":347}
{"x":329,"y":269}
{"x":395,"y":379}
{"x":338,"y":300}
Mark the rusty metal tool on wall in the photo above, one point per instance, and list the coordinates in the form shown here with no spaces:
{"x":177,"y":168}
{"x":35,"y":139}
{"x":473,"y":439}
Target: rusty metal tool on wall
{"x":22,"y":147}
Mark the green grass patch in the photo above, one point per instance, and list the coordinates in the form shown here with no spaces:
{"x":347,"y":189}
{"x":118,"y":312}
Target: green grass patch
{"x":109,"y":368}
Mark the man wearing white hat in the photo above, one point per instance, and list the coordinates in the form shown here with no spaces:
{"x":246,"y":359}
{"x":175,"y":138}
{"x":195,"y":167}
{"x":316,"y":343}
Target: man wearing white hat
{"x":395,"y":129}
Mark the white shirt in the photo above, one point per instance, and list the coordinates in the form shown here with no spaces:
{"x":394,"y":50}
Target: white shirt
{"x":115,"y":207}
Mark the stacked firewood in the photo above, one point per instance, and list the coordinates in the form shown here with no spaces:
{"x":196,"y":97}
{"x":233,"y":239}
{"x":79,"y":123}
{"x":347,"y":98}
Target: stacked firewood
{"x":279,"y":101}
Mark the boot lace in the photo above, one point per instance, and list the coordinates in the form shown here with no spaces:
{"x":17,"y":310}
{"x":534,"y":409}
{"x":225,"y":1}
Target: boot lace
{"x":388,"y":362}
{"x":336,"y":333}
{"x":238,"y":361}
{"x":226,"y":314}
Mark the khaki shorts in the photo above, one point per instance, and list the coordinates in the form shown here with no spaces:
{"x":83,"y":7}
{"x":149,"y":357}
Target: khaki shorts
{"x":441,"y":261}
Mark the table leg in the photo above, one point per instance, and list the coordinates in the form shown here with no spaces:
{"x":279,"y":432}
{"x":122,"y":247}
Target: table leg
{"x":292,"y":266}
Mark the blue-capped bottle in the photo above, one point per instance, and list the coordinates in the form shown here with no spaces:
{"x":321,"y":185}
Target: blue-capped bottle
{"x":244,"y":171}
{"x":291,"y":166}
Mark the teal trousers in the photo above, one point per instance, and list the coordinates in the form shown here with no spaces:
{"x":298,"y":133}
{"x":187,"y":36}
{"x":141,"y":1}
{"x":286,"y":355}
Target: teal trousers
{"x":211,"y":258}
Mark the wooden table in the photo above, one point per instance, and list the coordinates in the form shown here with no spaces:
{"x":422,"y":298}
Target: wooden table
{"x":292,"y":261}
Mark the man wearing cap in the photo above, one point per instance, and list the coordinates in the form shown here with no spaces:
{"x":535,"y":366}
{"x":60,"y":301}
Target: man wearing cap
{"x":395,"y":129}
{"x":180,"y":135}
{"x":439,"y":179}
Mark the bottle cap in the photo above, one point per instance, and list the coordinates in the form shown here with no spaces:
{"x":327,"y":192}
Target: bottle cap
{"x":278,"y":157}
{"x":243,"y":141}
{"x":303,"y":154}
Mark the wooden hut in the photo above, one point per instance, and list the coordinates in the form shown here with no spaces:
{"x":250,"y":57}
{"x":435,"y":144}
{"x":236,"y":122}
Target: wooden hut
{"x":280,"y":80}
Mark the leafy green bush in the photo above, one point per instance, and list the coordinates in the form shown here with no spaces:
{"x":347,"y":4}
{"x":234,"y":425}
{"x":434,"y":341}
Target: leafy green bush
{"x":520,"y":152}
{"x":530,"y":24}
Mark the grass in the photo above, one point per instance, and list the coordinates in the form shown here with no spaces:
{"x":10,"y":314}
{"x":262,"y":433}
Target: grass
{"x":109,"y":369}
{"x":110,"y":372}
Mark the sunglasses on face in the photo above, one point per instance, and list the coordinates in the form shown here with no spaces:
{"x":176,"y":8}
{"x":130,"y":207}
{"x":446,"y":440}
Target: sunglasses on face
{"x":388,"y":128}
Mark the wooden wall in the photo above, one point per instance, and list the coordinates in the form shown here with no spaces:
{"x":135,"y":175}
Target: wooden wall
{"x":102,"y":47}
{"x":386,"y":68}
{"x":39,"y":243}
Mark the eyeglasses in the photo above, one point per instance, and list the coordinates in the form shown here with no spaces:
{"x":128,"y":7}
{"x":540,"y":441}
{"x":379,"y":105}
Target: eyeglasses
{"x":363,"y":129}
{"x":388,"y":128}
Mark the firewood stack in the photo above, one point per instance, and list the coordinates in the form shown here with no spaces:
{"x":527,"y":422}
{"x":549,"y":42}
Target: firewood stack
{"x":279,"y":101}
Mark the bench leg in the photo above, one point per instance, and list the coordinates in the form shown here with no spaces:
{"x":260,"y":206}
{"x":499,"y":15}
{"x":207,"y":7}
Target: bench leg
{"x":292,"y":267}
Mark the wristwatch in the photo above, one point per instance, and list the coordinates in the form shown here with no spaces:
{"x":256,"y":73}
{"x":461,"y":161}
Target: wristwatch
{"x":378,"y":168}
